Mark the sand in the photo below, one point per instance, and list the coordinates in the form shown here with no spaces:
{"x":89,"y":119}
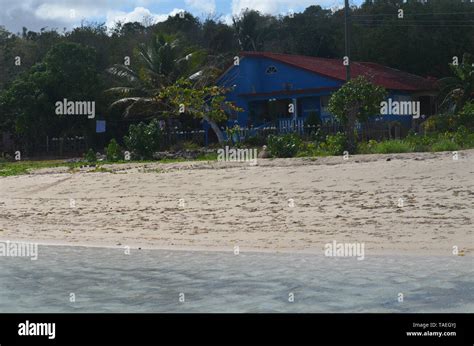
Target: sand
{"x":281,"y":205}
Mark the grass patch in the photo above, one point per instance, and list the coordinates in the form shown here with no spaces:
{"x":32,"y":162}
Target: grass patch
{"x":446,"y":141}
{"x":99,"y":169}
{"x":393,"y":146}
{"x":25,"y":167}
{"x":207,"y":157}
{"x":445,"y":145}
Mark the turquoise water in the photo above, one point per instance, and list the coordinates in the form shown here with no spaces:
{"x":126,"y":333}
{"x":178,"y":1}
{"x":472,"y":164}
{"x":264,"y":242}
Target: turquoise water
{"x":107,"y":280}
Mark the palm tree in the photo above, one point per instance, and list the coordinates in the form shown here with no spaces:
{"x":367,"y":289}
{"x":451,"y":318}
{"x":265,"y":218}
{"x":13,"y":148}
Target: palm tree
{"x":457,"y":90}
{"x":161,"y":64}
{"x":252,"y":29}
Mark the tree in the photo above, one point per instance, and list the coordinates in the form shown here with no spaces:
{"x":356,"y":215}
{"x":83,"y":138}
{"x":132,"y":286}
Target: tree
{"x":93,"y":35}
{"x":417,"y":42}
{"x":162,"y":63}
{"x":457,"y":90}
{"x":356,"y":101}
{"x":68,"y":71}
{"x":144,"y":139}
{"x":207,"y":103}
{"x":219,"y":37}
{"x":253,"y":29}
{"x":314,"y":22}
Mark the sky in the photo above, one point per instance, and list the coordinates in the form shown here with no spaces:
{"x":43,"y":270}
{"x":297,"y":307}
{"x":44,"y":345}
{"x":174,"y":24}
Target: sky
{"x":37,"y":14}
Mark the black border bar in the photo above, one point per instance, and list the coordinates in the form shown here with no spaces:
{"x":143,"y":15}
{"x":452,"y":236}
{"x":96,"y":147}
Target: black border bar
{"x":259,"y":329}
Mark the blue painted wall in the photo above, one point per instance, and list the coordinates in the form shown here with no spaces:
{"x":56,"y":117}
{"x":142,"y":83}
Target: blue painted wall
{"x":250,"y":77}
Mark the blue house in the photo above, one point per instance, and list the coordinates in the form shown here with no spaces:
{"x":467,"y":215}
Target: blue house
{"x":283,"y":90}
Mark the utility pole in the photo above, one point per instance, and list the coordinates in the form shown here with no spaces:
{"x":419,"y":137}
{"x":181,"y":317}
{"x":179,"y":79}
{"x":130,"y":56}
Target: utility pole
{"x":347,"y":40}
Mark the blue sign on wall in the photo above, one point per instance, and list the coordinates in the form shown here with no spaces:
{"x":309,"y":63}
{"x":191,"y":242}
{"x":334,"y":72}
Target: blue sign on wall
{"x":100,"y":126}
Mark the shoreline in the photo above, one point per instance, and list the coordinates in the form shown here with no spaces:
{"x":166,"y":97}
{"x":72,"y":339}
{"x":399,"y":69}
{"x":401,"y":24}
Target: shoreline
{"x":217,"y":249}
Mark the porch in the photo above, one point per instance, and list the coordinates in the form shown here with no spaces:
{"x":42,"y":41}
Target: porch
{"x":286,"y":114}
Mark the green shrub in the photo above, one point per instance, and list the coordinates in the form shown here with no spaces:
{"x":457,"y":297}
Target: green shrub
{"x":186,"y":145}
{"x":420,"y":143}
{"x":284,"y":145}
{"x":313,"y":123}
{"x":255,"y":141}
{"x":317,"y":136}
{"x":440,"y":123}
{"x":308,"y":149}
{"x":113,"y":151}
{"x":90,"y":156}
{"x":470,"y":141}
{"x":466,"y":116}
{"x":233,"y":134}
{"x":451,"y":122}
{"x":446,"y":141}
{"x":393,"y":146}
{"x":367,"y":147}
{"x":385,"y":147}
{"x":143,"y":140}
{"x":445,"y":144}
{"x":334,"y":144}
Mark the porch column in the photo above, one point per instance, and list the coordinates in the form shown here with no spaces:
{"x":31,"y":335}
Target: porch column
{"x":295,"y":107}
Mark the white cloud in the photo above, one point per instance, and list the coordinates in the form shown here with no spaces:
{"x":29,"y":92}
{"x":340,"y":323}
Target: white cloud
{"x":278,"y":6}
{"x":35,"y":14}
{"x":227,"y":19}
{"x":205,"y":6}
{"x":139,"y":14}
{"x":63,"y":13}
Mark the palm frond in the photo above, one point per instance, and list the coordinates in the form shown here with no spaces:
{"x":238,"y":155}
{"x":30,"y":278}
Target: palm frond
{"x":123,"y":91}
{"x":123,"y":72}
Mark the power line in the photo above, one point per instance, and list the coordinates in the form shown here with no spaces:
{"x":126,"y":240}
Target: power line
{"x":415,"y":21}
{"x":412,"y":14}
{"x":347,"y":38}
{"x":419,"y":25}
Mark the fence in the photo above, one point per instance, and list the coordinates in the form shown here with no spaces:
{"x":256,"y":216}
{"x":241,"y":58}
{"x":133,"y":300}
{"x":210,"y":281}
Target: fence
{"x":175,"y":137}
{"x":367,"y":131}
{"x":46,"y":146}
{"x":76,"y":146}
{"x":291,"y":125}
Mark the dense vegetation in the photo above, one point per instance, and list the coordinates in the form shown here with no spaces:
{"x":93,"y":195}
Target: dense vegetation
{"x":137,"y":73}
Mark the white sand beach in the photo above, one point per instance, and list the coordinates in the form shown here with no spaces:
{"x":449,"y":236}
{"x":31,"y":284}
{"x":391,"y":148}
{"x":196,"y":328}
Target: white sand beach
{"x":287,"y":205}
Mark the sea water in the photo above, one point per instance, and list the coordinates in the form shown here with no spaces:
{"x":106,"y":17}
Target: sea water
{"x":81,"y":279}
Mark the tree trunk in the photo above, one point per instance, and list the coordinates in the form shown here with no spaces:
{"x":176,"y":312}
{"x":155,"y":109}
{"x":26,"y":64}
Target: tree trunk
{"x":351,"y":141}
{"x":216,"y":129}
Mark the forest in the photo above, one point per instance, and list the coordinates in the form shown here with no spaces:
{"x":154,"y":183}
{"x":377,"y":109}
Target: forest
{"x":139,"y":73}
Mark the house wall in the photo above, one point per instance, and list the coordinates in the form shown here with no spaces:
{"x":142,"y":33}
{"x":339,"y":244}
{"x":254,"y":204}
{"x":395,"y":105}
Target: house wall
{"x":308,"y":105}
{"x":404,"y":120}
{"x":250,"y":77}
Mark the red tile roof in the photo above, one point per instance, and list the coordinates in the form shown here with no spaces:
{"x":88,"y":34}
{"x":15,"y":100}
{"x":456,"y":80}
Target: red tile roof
{"x":291,"y":92}
{"x":387,"y":77}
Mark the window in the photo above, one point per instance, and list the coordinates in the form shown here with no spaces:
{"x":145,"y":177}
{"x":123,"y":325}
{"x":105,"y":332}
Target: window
{"x":271,"y":70}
